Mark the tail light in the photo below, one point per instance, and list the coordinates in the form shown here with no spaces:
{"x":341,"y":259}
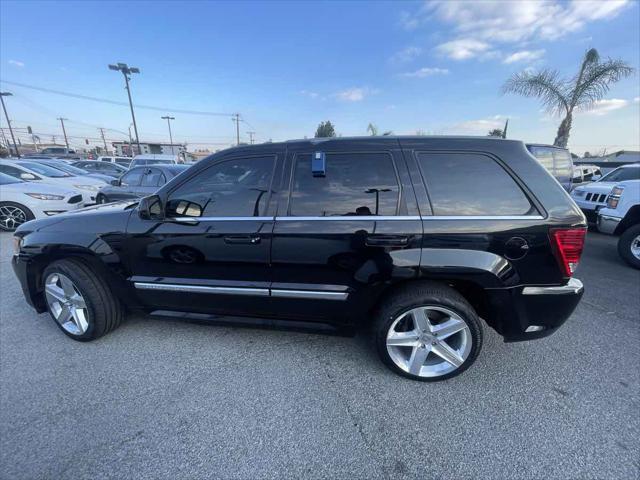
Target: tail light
{"x":567,"y":246}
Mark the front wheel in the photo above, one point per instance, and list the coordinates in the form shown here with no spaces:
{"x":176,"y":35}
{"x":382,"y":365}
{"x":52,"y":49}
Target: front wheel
{"x":629,"y":246}
{"x":12,"y":215}
{"x":427,"y":332}
{"x":79,"y":300}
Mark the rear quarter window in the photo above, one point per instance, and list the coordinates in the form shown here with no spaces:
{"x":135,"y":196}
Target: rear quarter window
{"x":469,"y":184}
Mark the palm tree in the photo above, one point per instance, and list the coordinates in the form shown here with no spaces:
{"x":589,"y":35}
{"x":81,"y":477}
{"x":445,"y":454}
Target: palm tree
{"x":564,"y":95}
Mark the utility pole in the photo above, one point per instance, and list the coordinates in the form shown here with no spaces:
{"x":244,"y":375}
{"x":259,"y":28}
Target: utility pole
{"x":15,"y":145}
{"x":251,"y":134}
{"x":106,"y":150}
{"x":64,"y":131}
{"x":127,"y":71}
{"x":168,"y":119}
{"x":236,"y":118}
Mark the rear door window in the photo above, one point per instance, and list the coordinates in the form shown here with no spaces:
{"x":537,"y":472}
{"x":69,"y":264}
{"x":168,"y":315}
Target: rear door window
{"x":153,"y":178}
{"x":133,"y":178}
{"x":354,"y":184}
{"x":469,"y":184}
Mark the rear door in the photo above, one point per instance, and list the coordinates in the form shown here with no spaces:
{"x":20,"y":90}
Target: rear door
{"x":340,"y":238}
{"x":129,"y":183}
{"x":152,"y":180}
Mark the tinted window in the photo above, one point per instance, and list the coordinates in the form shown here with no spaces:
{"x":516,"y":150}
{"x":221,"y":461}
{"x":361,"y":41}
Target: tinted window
{"x":7,"y":180}
{"x":354,"y":184}
{"x":153,"y":178}
{"x":12,"y":171}
{"x":232,"y":188}
{"x":471,"y":184}
{"x":622,"y":174}
{"x":45,"y":170}
{"x":132,"y":178}
{"x":106,"y":159}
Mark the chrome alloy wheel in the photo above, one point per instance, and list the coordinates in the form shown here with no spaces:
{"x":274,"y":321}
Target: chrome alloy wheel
{"x":429,"y":341}
{"x":635,"y":247}
{"x":66,"y":303}
{"x":11,"y":217}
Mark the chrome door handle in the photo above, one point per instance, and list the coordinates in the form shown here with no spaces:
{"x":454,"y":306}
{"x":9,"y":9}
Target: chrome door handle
{"x":387,"y":241}
{"x":242,"y":239}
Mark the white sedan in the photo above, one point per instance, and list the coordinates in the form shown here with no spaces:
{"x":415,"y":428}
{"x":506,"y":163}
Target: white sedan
{"x":32,"y":171}
{"x":23,"y":201}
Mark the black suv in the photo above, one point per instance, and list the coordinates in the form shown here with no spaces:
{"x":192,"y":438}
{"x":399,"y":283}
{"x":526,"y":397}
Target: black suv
{"x":418,"y":237}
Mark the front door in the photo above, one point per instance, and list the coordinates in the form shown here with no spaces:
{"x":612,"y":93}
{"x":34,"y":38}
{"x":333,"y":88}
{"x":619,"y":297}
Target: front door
{"x":341,"y":237}
{"x":211,"y":252}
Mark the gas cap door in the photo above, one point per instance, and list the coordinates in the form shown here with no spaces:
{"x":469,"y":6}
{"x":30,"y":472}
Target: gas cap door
{"x":516,"y":248}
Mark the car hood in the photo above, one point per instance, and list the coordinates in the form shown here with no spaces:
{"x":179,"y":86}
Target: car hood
{"x":35,"y":187}
{"x":77,"y":180}
{"x":596,"y":187}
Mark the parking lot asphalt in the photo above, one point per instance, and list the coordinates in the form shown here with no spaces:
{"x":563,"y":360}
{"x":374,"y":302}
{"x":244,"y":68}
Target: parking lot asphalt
{"x":169,"y":399}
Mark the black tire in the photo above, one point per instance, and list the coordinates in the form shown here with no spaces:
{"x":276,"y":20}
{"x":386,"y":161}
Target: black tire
{"x":105,"y":312}
{"x":625,"y":242}
{"x":425,"y":294}
{"x":100,"y":198}
{"x":6,"y":224}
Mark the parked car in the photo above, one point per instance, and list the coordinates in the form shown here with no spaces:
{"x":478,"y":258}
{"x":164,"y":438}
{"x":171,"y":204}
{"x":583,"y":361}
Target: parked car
{"x":154,"y":159}
{"x":593,"y":196}
{"x":621,"y":216}
{"x":22,"y":201}
{"x":79,"y":172}
{"x":110,"y":169}
{"x":61,"y":152}
{"x":124,"y":161}
{"x":586,"y":173}
{"x":32,"y":171}
{"x":557,"y":161}
{"x":139,"y":182}
{"x":417,"y":237}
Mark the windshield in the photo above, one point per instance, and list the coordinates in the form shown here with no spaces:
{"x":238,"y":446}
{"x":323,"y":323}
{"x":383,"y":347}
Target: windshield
{"x":6,"y":179}
{"x":621,"y":174}
{"x":45,"y":170}
{"x":65,"y":167}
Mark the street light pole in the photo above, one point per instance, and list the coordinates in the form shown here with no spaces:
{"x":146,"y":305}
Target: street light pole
{"x":168,"y":119}
{"x":6,"y":115}
{"x":64,"y":131}
{"x":126,"y":71}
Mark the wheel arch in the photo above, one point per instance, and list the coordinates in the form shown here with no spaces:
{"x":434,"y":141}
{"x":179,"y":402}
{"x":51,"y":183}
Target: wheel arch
{"x":631,"y":218}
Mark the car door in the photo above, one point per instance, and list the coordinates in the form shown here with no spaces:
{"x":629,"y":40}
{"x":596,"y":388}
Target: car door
{"x":129,"y":183}
{"x":152,"y":179}
{"x":211,"y":252}
{"x":342,"y":237}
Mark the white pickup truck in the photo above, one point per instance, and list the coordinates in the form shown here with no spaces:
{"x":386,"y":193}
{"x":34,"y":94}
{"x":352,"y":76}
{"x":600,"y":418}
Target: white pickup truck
{"x":621,"y":216}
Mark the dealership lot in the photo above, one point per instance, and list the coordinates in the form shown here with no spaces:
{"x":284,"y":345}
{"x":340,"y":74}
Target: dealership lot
{"x":164,"y":398}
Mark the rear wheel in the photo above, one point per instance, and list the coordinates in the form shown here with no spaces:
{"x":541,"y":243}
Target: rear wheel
{"x":12,"y":215}
{"x":427,"y":332}
{"x":629,"y":246}
{"x":80,"y":301}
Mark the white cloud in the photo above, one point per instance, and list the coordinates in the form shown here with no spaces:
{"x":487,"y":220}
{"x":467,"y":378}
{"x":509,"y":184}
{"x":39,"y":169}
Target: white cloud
{"x":356,"y":94}
{"x":636,"y":99}
{"x":603,"y":107}
{"x":524,"y":56}
{"x":16,"y":63}
{"x":477,"y":127}
{"x":406,"y":55}
{"x":309,"y":94}
{"x":462,"y":49}
{"x":494,"y":22}
{"x":425,"y":72}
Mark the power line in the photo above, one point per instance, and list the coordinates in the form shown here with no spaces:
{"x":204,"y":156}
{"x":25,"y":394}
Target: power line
{"x":114,"y":102}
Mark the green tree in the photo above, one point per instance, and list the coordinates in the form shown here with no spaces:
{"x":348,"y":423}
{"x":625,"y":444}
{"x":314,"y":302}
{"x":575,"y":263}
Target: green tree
{"x":496,"y":132}
{"x":372,"y":129}
{"x":325,"y":129}
{"x":563,"y":96}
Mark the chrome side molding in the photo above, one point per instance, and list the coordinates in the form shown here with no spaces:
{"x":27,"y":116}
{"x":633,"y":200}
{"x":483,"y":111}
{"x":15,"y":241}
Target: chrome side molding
{"x":573,"y":287}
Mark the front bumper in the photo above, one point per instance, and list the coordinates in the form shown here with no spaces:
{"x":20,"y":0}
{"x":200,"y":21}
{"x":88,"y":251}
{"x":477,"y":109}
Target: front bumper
{"x":608,"y":224}
{"x":526,"y":313}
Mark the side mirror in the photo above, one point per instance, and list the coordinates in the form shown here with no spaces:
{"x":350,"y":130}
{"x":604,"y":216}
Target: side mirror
{"x":27,"y":176}
{"x":115,"y":182}
{"x":151,"y":208}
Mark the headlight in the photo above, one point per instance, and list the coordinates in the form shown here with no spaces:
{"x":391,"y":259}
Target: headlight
{"x":614,"y":197}
{"x":45,"y":196}
{"x":579,"y":193}
{"x":17,"y":243}
{"x":91,"y":188}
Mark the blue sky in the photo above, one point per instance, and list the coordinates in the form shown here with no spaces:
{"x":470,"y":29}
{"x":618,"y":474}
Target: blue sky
{"x":436,"y":67}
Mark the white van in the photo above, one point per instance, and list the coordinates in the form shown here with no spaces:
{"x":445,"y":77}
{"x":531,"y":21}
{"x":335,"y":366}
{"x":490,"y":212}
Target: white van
{"x":154,"y":159}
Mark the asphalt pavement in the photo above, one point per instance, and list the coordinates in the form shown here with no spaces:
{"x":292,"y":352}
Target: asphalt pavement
{"x":169,"y":399}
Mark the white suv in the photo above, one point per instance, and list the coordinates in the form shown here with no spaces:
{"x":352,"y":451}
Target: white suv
{"x":593,"y":196}
{"x":621,"y":216}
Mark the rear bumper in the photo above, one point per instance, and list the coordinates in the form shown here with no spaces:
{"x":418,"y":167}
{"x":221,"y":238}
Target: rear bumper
{"x":527,"y":313}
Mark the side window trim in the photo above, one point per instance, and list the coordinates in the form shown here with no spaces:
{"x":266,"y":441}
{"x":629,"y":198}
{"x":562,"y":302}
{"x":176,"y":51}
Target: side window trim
{"x":538,"y":212}
{"x":292,"y":170}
